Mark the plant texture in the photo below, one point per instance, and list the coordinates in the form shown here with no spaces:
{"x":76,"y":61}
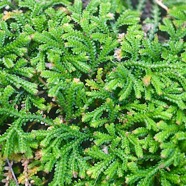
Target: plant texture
{"x":92,"y":94}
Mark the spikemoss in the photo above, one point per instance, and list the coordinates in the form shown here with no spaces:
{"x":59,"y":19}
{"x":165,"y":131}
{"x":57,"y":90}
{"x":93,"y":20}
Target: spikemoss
{"x":92,"y":94}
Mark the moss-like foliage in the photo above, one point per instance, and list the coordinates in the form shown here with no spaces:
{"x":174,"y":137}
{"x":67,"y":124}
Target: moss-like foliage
{"x":92,"y":93}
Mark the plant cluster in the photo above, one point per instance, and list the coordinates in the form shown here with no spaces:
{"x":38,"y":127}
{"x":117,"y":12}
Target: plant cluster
{"x":92,"y":94}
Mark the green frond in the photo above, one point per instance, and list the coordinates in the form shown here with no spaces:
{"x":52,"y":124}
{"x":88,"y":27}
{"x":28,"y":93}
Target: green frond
{"x":7,"y":93}
{"x":22,"y":143}
{"x":100,"y":167}
{"x":96,"y":153}
{"x":109,"y":45}
{"x":60,"y":169}
{"x":19,"y":82}
{"x":16,"y":46}
{"x":151,"y":49}
{"x":25,"y":116}
{"x":65,"y":153}
{"x":174,"y":98}
{"x":161,"y":136}
{"x":131,"y":45}
{"x":129,"y":17}
{"x":179,"y":15}
{"x":175,"y":34}
{"x":102,"y":138}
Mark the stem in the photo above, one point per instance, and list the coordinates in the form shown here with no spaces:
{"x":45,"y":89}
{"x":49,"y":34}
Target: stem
{"x":11,"y":170}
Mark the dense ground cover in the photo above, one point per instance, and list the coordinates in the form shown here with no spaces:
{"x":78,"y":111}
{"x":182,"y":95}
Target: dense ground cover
{"x":92,"y":92}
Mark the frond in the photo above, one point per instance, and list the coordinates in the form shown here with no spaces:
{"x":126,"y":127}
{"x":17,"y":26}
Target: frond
{"x":128,"y":17}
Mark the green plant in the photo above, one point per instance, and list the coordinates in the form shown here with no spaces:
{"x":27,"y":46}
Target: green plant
{"x":89,"y":96}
